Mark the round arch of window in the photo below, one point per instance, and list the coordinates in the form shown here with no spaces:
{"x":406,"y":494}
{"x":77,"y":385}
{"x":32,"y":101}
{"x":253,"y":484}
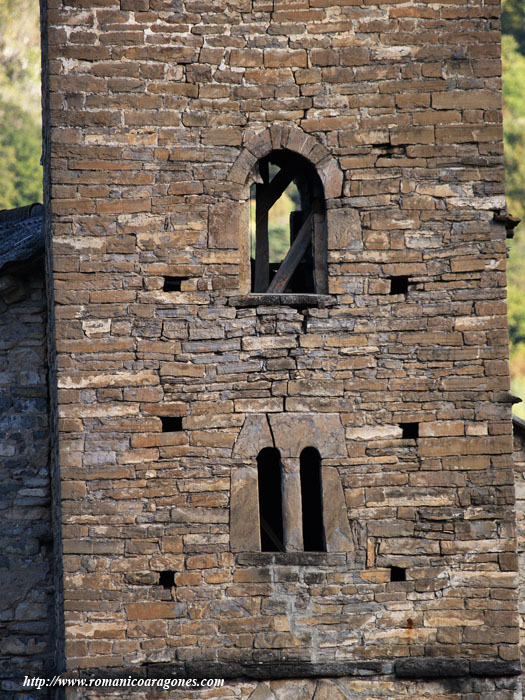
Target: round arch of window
{"x":287,"y":226}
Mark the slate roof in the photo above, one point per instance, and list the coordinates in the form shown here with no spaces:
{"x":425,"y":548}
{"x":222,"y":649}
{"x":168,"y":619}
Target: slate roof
{"x":21,"y":234}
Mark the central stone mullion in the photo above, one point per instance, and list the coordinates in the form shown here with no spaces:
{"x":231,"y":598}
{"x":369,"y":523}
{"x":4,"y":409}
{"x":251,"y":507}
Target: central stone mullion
{"x":292,"y":512}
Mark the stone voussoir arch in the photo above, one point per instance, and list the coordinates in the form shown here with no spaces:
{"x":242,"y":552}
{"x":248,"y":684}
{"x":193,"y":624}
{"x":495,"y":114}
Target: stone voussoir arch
{"x":279,"y":136}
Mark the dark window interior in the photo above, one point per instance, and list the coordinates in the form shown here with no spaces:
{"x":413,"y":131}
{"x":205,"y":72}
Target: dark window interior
{"x":270,"y":499}
{"x":312,"y":500}
{"x":171,"y":424}
{"x":397,"y":573}
{"x":167,"y":579}
{"x":410,"y":430}
{"x":288,"y":249}
{"x":172,"y":284}
{"x":399,"y":285}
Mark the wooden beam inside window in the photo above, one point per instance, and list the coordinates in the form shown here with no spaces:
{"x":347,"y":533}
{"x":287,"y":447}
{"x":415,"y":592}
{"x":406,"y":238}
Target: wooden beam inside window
{"x":262,"y":245}
{"x":319,"y":254}
{"x":267,"y":195}
{"x":293,"y":257}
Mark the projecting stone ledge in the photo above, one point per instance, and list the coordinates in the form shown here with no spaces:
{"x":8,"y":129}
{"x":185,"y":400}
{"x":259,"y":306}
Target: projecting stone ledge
{"x":237,"y":670}
{"x":421,"y":668}
{"x":321,"y":301}
{"x":454,"y":668}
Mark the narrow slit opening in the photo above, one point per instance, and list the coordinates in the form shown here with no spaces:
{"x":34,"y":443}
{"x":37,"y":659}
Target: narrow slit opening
{"x":269,"y":479}
{"x":397,"y":573}
{"x":171,"y":424}
{"x":410,"y":430}
{"x":173,"y":284}
{"x":167,"y":579}
{"x":312,"y":501}
{"x":399,"y":284}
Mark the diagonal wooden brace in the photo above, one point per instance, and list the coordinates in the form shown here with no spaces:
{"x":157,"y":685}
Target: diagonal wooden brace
{"x":293,"y":257}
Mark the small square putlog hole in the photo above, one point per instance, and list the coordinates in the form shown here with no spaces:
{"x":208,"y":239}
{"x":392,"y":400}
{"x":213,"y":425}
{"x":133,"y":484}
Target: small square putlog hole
{"x":167,"y":579}
{"x":410,"y":430}
{"x":171,"y":424}
{"x":399,"y":284}
{"x":172,"y":284}
{"x":397,"y":573}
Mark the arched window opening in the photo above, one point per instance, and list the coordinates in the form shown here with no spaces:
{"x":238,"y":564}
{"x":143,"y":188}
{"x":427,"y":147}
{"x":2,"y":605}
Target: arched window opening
{"x":269,"y":479}
{"x":312,"y":501}
{"x":287,"y":226}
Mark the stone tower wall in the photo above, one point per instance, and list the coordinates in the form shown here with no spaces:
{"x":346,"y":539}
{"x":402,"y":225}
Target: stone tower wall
{"x":159,"y":113}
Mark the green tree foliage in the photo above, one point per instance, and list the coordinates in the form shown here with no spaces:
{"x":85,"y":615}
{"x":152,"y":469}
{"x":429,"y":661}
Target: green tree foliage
{"x":20,"y":132}
{"x":513,"y":56}
{"x":20,"y":54}
{"x":513,"y":21}
{"x":20,"y":149}
{"x":514,"y":124}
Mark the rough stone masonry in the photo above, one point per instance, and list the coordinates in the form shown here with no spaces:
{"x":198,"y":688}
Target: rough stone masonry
{"x":174,"y":376}
{"x":26,"y":557}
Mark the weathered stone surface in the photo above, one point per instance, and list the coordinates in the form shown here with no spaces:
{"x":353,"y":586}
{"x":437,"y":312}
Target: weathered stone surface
{"x":262,"y":692}
{"x":224,"y":225}
{"x":292,"y":509}
{"x":254,"y":436}
{"x":244,"y":510}
{"x":328,"y":690}
{"x":332,"y":177}
{"x":284,"y":690}
{"x":431,"y":668}
{"x":336,"y":525}
{"x":495,"y":668}
{"x":295,"y":431}
{"x":344,"y":229}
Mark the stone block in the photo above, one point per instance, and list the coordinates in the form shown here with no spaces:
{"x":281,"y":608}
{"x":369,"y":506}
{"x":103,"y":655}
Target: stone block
{"x":431,"y":668}
{"x":244,"y":510}
{"x":262,"y":692}
{"x":344,"y":229}
{"x":335,"y":519}
{"x":253,"y":437}
{"x":295,"y":431}
{"x":332,"y":178}
{"x":328,"y":689}
{"x":152,"y":611}
{"x":223,"y":231}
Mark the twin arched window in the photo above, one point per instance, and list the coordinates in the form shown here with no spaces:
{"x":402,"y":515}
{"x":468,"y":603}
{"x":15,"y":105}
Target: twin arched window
{"x":270,"y":486}
{"x":287,"y":226}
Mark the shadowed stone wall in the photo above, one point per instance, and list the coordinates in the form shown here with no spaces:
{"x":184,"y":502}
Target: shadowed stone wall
{"x":26,"y":599}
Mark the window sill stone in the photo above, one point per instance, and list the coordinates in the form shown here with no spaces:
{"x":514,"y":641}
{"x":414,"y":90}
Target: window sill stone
{"x":321,"y":301}
{"x":291,"y":559}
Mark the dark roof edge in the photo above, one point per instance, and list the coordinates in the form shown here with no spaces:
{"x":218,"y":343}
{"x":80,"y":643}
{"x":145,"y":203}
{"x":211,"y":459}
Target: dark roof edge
{"x":21,"y":213}
{"x":21,"y":235}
